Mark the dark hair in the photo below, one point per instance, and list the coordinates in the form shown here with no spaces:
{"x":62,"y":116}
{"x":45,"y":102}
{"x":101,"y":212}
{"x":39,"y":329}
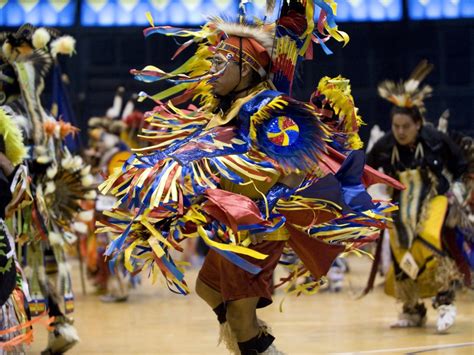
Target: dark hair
{"x":413,"y":112}
{"x":255,"y":78}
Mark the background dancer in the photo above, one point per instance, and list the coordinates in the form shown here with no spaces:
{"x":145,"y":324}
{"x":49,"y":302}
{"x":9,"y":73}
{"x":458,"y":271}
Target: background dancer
{"x":418,"y":155}
{"x":58,"y":180}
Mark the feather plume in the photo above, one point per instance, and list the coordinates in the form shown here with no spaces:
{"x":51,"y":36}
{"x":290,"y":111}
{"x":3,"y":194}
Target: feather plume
{"x":63,"y":45}
{"x":263,"y":34}
{"x":421,"y":71}
{"x":41,"y":62}
{"x":41,"y":38}
{"x":15,"y":150}
{"x":408,"y":93}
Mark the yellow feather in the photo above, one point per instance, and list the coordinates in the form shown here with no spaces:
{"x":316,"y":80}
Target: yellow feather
{"x":149,"y":17}
{"x":15,"y":150}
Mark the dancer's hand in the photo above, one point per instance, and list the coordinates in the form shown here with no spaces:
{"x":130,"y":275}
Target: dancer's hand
{"x":257,"y":238}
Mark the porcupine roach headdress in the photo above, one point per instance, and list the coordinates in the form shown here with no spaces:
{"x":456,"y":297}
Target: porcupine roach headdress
{"x":285,"y":42}
{"x":408,"y":93}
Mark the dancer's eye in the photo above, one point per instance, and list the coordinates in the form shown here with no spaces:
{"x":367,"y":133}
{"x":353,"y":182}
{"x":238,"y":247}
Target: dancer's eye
{"x":218,"y":63}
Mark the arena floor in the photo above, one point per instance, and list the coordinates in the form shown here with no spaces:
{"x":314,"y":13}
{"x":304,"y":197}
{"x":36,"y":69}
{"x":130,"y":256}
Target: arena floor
{"x":154,"y":321}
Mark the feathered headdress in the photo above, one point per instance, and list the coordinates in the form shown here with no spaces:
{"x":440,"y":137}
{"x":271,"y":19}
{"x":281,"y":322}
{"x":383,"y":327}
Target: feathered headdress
{"x":408,"y":93}
{"x":28,"y":38}
{"x":287,"y":41}
{"x":261,"y":32}
{"x":32,"y":51}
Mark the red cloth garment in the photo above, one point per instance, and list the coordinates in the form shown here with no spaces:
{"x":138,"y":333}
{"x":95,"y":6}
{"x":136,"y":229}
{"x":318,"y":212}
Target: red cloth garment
{"x":316,"y":255}
{"x":233,"y":283}
{"x":232,"y":209}
{"x":308,"y":217}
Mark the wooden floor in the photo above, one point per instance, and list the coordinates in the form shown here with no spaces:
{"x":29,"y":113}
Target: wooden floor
{"x":154,"y":321}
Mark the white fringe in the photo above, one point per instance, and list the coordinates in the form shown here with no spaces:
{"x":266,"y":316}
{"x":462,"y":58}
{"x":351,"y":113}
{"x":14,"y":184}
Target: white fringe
{"x":272,"y":350}
{"x":68,"y":332}
{"x":226,"y":336}
{"x":55,"y":238}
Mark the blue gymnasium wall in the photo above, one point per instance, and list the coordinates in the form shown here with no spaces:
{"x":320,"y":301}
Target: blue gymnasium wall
{"x":383,"y":45}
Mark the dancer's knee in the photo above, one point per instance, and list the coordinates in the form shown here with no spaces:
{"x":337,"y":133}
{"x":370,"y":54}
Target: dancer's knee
{"x":212,"y":297}
{"x":200,"y":288}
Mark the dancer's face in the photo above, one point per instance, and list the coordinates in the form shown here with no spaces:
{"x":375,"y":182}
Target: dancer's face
{"x":229,"y":79}
{"x":232,"y":78}
{"x":405,"y":129}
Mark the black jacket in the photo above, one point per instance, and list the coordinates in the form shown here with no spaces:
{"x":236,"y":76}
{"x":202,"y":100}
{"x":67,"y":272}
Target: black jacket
{"x":439,"y":152}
